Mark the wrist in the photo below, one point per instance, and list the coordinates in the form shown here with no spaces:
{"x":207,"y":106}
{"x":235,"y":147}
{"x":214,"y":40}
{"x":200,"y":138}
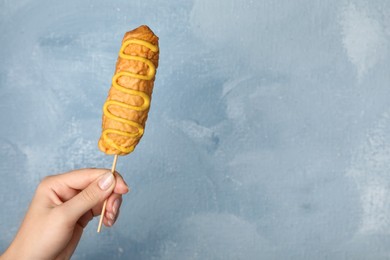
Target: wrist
{"x":8,"y":255}
{"x":14,"y":251}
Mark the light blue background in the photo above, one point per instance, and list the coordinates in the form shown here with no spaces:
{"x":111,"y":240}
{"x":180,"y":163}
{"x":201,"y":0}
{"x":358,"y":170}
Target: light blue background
{"x":268,"y":135}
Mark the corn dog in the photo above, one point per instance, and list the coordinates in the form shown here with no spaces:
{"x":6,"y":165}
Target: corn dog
{"x":126,"y":108}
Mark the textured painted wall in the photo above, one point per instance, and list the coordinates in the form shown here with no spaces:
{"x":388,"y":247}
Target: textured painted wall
{"x":268,"y":137}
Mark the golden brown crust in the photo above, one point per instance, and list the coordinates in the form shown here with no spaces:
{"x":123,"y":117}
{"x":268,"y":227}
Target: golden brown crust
{"x":146,"y":86}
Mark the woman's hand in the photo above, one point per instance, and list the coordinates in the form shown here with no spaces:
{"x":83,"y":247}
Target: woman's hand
{"x":61,"y":208}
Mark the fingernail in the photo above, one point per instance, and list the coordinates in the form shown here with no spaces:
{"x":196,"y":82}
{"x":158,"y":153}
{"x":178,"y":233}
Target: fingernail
{"x":115,"y":206}
{"x":106,"y":181}
{"x":109,"y":223}
{"x":111,"y":216}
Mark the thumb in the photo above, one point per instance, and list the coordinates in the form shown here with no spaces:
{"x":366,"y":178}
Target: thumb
{"x":92,"y":195}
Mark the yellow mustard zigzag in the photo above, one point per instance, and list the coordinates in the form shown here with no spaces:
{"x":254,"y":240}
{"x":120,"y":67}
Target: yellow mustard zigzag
{"x":146,"y":99}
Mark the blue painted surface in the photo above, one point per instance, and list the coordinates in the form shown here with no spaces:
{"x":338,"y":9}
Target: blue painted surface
{"x":268,"y":136}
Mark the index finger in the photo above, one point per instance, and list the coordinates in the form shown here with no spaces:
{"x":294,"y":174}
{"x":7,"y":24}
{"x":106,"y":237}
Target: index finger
{"x":67,"y":185}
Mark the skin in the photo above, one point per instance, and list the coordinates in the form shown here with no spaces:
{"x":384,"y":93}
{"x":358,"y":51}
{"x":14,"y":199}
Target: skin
{"x":61,"y":208}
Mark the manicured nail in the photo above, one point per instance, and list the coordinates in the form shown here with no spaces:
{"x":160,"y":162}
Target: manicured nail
{"x":109,"y":223}
{"x":115,"y":206}
{"x":111,"y":216}
{"x":106,"y":181}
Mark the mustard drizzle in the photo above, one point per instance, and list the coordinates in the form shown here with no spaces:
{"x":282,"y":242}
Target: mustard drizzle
{"x":146,"y":99}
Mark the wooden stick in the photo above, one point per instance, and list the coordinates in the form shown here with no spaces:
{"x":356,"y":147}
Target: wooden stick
{"x":105,"y":202}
